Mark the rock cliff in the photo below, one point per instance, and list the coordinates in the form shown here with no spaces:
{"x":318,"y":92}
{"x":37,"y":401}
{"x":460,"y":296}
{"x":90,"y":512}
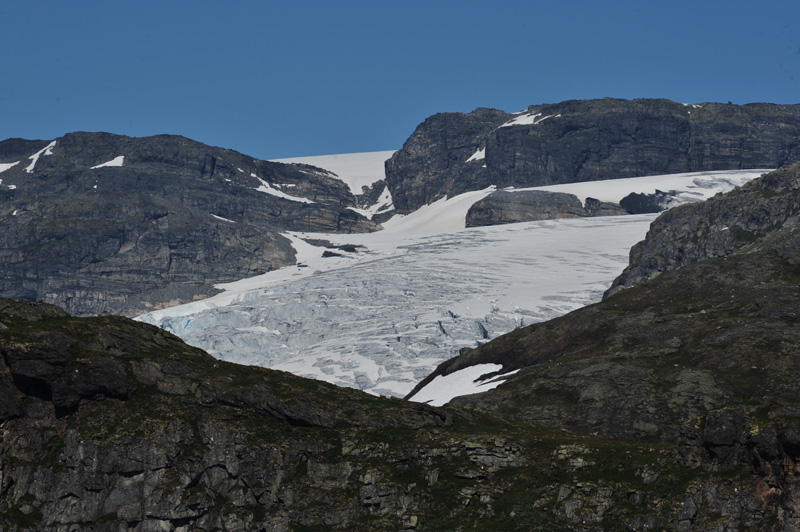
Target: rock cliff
{"x":432,"y":163}
{"x":108,"y":424}
{"x":505,"y":207}
{"x":97,"y":222}
{"x":588,"y":140}
{"x":761,"y":215}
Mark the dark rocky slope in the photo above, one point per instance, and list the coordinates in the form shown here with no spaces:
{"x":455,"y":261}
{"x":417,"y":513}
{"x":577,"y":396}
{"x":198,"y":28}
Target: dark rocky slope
{"x":588,"y":140}
{"x":713,"y":334}
{"x":761,"y":215}
{"x":176,"y":218}
{"x":108,"y":424}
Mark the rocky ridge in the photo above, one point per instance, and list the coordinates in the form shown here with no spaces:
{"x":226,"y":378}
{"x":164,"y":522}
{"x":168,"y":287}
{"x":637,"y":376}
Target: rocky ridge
{"x":95,"y":222}
{"x":109,"y":424}
{"x":587,"y":140}
{"x":760,"y":215}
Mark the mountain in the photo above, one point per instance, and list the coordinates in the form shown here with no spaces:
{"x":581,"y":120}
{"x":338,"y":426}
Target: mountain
{"x":586,"y":140}
{"x":709,"y":334}
{"x":379,"y":311}
{"x":95,"y":222}
{"x":672,"y":404}
{"x":110,"y":424}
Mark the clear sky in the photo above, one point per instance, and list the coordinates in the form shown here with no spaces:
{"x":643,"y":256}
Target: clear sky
{"x":297,"y":77}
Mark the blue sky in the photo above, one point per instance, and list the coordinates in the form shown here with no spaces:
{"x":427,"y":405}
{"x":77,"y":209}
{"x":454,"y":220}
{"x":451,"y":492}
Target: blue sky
{"x":282,"y":79}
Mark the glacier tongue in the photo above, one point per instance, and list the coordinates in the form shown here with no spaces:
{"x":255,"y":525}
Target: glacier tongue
{"x":382,"y":320}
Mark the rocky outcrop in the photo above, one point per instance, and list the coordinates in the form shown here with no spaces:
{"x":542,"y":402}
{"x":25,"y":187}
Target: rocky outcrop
{"x":432,"y":163}
{"x":108,"y":424}
{"x":761,"y":215}
{"x":97,"y":222}
{"x":588,"y":140}
{"x":638,"y":203}
{"x":504,"y":207}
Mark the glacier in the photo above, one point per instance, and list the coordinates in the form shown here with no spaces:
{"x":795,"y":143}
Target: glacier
{"x":382,"y":317}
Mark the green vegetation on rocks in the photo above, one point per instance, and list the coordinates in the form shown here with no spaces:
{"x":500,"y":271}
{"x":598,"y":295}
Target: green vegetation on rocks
{"x":109,"y":423}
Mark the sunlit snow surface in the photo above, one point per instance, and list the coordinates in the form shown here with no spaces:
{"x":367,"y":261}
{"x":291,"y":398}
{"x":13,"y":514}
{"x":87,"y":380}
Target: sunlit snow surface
{"x":527,"y":119}
{"x":383,"y":318}
{"x":686,"y":188}
{"x":479,"y":155}
{"x":115,"y":162}
{"x":6,"y":166}
{"x":272,"y":191}
{"x":462,"y":382}
{"x":47,"y":150}
{"x":355,"y":169}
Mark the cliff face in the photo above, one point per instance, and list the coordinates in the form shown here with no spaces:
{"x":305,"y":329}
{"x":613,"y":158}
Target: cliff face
{"x":96,"y":222}
{"x":432,"y":161}
{"x":109,"y":424}
{"x":589,"y":140}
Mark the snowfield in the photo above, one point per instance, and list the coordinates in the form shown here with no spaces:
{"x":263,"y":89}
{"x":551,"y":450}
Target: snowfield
{"x":382,"y":318}
{"x":355,"y":169}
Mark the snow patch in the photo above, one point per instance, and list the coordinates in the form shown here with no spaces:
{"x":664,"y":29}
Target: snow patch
{"x":467,"y":381}
{"x":478,"y":155}
{"x":528,"y":119}
{"x":384,"y":204}
{"x":269,"y":189}
{"x":47,"y":150}
{"x":10,"y":187}
{"x":223,"y":219}
{"x":15,"y":212}
{"x":6,"y":166}
{"x":116,"y":161}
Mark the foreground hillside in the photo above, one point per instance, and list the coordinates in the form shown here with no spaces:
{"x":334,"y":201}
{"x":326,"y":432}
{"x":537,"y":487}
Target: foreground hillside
{"x":97,"y":222}
{"x":109,"y":424}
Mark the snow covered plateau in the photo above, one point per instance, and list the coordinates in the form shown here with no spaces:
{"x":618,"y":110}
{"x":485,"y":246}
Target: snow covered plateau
{"x":382,"y":317}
